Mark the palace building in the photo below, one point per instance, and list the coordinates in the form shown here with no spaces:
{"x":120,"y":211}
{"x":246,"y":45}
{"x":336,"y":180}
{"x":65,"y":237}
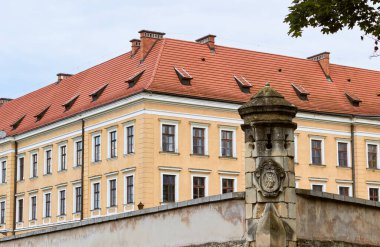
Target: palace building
{"x":160,"y":125}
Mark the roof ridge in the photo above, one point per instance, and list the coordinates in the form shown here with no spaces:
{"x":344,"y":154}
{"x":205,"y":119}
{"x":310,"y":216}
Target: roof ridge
{"x":156,"y":65}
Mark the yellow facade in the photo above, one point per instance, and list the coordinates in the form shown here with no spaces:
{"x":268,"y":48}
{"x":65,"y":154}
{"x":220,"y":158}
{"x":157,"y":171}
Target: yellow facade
{"x":148,"y":162}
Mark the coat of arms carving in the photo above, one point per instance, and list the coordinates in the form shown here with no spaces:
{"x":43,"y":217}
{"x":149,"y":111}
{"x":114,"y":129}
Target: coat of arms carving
{"x":269,"y":178}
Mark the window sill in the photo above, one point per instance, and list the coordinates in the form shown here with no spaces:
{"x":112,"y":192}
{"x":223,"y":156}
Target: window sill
{"x":296,"y":163}
{"x":33,"y":221}
{"x":33,"y":178}
{"x":96,"y":162}
{"x":129,"y":204}
{"x":111,"y":207}
{"x":48,"y":174}
{"x":318,"y":165}
{"x":200,"y":155}
{"x":20,"y":181}
{"x":2,"y":184}
{"x":344,"y":167}
{"x":62,"y":171}
{"x":169,"y":153}
{"x":61,"y":215}
{"x":46,"y":218}
{"x":74,"y":213}
{"x":227,"y":158}
{"x":95,"y":209}
{"x":113,"y":158}
{"x":77,"y":167}
{"x":373,"y":169}
{"x":129,"y":154}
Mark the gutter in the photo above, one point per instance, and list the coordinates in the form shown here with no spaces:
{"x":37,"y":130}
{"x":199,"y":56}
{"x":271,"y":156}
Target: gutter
{"x":353,"y":159}
{"x":82,"y":172}
{"x":15,"y":189}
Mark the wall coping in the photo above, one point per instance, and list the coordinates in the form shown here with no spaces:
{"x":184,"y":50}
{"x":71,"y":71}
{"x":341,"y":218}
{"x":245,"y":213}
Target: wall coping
{"x":336,"y":197}
{"x":109,"y":218}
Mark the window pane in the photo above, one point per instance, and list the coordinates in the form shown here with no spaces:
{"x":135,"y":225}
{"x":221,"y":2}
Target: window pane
{"x":372,"y":156}
{"x":317,"y":187}
{"x":316,"y":149}
{"x":227,"y":143}
{"x":342,"y":154}
{"x":227,"y":185}
{"x":198,"y":187}
{"x":168,"y":135}
{"x":344,"y":191}
{"x":130,"y":189}
{"x":168,"y":188}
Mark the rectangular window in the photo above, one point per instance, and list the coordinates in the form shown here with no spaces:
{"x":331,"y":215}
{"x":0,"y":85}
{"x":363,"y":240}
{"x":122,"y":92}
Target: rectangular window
{"x":199,"y":187}
{"x":316,"y":152}
{"x":226,"y":142}
{"x":129,"y":189}
{"x":372,"y":156}
{"x":168,"y":138}
{"x":228,"y":185}
{"x":96,"y":195}
{"x":168,"y":188}
{"x":112,"y":198}
{"x":317,"y":187}
{"x":21,"y":169}
{"x":62,"y":202}
{"x":33,"y":202}
{"x":344,"y":191}
{"x":78,"y":153}
{"x":20,"y":210}
{"x":96,"y":148}
{"x":113,"y":144}
{"x":48,"y":205}
{"x":63,"y":158}
{"x":48,"y":161}
{"x":342,"y":154}
{"x":34,"y":165}
{"x":199,"y":141}
{"x":78,"y":199}
{"x":3,"y":171}
{"x":130,"y":139}
{"x":2,"y":212}
{"x":374,"y":194}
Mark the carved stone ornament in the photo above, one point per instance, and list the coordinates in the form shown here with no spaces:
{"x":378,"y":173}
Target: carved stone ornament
{"x":269,"y":177}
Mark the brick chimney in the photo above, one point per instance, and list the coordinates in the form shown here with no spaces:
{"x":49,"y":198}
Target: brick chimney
{"x":4,"y":100}
{"x":209,"y":40}
{"x":148,"y":39}
{"x":61,"y":76}
{"x":324,"y":61}
{"x":135,"y":44}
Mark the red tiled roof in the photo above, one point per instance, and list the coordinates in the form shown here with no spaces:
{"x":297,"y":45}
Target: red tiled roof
{"x":213,"y":78}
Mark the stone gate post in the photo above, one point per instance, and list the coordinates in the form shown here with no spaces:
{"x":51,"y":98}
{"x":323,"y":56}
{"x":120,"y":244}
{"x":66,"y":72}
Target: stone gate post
{"x":269,"y":169}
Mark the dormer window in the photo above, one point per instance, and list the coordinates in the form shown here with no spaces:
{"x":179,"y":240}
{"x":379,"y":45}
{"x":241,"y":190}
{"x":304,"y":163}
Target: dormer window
{"x":133,"y":79}
{"x":70,"y":102}
{"x":242,"y":81}
{"x":96,"y":94}
{"x":17,"y":123}
{"x":301,"y":91}
{"x":40,"y":115}
{"x":183,"y":75}
{"x":354,"y":100}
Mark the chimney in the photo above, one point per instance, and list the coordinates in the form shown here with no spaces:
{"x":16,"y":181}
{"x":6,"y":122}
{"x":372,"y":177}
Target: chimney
{"x":324,"y":61}
{"x":135,"y":44}
{"x":148,"y":39}
{"x":4,"y":100}
{"x":62,"y":76}
{"x":209,"y":40}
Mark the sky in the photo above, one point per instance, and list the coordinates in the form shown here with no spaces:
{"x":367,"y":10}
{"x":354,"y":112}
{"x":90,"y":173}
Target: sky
{"x":41,"y":38}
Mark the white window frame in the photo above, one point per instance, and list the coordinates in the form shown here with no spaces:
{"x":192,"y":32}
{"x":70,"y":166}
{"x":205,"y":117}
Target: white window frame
{"x":5,"y":210}
{"x":126,"y":125}
{"x":109,"y":142}
{"x":228,"y":128}
{"x":1,"y":170}
{"x":45,"y":157}
{"x":227,"y":177}
{"x":176,"y":174}
{"x":316,"y":183}
{"x":201,"y":126}
{"x":93,"y":146}
{"x":373,"y":187}
{"x":378,"y":152}
{"x":17,"y":208}
{"x":19,"y":168}
{"x":176,"y":138}
{"x":59,"y":201}
{"x":295,"y":148}
{"x":109,"y":192}
{"x":30,"y":206}
{"x":192,"y":184}
{"x":317,"y":138}
{"x":75,"y":141}
{"x":44,"y":204}
{"x":125,"y":188}
{"x":348,"y":151}
{"x":59,"y":156}
{"x":75,"y":186}
{"x":93,"y":194}
{"x":345,"y":185}
{"x":31,"y":164}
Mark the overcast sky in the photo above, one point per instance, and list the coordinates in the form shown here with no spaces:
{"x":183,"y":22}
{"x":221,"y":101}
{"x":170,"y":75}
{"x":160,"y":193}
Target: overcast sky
{"x":40,"y":38}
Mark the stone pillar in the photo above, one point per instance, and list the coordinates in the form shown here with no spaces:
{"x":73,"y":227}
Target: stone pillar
{"x":269,"y":169}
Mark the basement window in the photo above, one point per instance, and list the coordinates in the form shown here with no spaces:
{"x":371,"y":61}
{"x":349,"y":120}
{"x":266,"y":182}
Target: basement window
{"x":70,"y":102}
{"x":354,"y":100}
{"x":40,"y":115}
{"x":183,"y":75}
{"x":17,"y":123}
{"x":302,"y":93}
{"x":133,"y":79}
{"x":96,"y":94}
